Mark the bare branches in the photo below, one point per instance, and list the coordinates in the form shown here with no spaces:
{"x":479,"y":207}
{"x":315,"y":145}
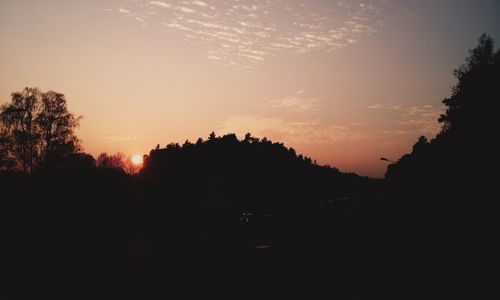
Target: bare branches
{"x":36,"y":129}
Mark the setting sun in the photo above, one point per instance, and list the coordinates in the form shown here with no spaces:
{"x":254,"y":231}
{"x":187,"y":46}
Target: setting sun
{"x":143,"y":139}
{"x":137,"y":159}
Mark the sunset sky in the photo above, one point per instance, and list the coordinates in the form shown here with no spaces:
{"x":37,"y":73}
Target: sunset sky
{"x":344,"y":82}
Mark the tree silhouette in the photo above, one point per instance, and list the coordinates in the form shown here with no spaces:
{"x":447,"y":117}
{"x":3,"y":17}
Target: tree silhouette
{"x":477,"y":89}
{"x":251,"y":173}
{"x":117,"y":161}
{"x":449,"y":160}
{"x":440,"y":194}
{"x":36,"y":130}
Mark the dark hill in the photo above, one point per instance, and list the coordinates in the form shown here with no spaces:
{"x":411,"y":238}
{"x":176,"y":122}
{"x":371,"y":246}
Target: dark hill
{"x":252,"y":173}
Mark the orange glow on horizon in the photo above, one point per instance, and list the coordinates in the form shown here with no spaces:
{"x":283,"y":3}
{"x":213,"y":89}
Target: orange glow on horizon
{"x":141,"y":73}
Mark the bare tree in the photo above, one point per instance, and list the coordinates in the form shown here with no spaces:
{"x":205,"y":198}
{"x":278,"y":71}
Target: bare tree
{"x":117,"y":161}
{"x":36,"y":129}
{"x":56,"y":127}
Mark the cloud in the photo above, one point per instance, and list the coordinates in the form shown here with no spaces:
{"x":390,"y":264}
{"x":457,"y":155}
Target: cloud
{"x":186,"y":10}
{"x":296,"y":104}
{"x":293,"y":132}
{"x":160,"y":4}
{"x":247,"y":34}
{"x":294,"y":120}
{"x":123,"y":139}
{"x":200,"y":3}
{"x":422,"y":118}
{"x":414,"y":119}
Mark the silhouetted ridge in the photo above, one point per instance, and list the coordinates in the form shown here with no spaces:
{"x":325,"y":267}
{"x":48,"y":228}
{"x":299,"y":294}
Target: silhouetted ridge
{"x":248,"y":173}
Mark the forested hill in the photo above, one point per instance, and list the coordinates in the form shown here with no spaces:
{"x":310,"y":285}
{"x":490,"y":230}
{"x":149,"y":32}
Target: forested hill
{"x":251,"y":172}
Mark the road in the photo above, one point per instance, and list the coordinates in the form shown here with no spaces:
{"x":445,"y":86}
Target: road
{"x":324,"y":254}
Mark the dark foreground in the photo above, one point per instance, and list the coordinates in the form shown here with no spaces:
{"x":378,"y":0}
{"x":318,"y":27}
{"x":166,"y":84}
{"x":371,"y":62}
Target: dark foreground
{"x":312,"y":257}
{"x":320,"y":252}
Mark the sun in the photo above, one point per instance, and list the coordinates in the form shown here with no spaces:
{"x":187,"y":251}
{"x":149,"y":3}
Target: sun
{"x":136,"y":159}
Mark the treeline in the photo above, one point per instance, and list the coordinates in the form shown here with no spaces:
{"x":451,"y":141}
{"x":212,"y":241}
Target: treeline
{"x":37,"y":142}
{"x":251,"y":173}
{"x":92,"y":215}
{"x":67,"y":216}
{"x":52,"y":190}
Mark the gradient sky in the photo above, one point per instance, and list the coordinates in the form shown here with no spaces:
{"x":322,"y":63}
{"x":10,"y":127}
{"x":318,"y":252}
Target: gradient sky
{"x":344,"y":82}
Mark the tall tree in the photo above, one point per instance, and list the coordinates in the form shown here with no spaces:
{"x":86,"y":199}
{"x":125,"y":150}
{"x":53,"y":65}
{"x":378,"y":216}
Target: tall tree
{"x":56,"y":126}
{"x":36,"y":129}
{"x":19,"y":128}
{"x":450,"y":161}
{"x":471,"y":105}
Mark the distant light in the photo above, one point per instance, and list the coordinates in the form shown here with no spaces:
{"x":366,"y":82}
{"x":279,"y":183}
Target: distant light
{"x":137,"y":159}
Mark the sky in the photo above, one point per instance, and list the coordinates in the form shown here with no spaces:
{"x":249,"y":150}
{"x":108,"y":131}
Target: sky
{"x":343,"y":82}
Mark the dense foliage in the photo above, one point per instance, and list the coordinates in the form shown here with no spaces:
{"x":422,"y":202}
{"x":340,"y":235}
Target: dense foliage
{"x":441,"y":211}
{"x":454,"y":159}
{"x":252,"y":173}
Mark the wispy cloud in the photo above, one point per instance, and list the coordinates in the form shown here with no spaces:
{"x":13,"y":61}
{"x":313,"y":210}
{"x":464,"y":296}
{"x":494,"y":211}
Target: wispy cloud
{"x":160,"y":4}
{"x":294,"y":120}
{"x":246,"y":34}
{"x":423,"y":118}
{"x":200,"y":3}
{"x":289,"y":131}
{"x":411,"y":119}
{"x":123,"y":139}
{"x":385,"y":106}
{"x":296,"y":104}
